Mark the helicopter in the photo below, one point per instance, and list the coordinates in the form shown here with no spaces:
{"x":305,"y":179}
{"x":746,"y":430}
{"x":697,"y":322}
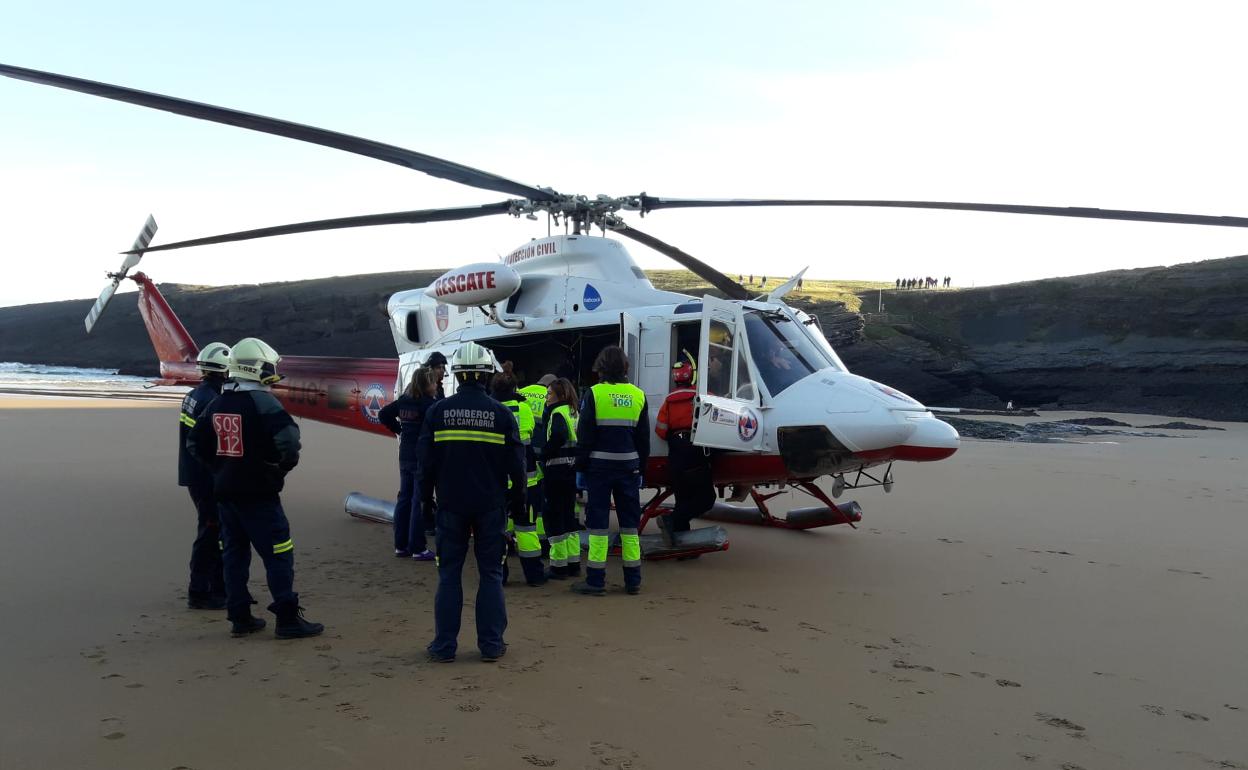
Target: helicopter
{"x":774,"y":401}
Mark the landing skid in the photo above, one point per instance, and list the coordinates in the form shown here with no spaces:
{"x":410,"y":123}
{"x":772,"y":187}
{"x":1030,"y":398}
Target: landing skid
{"x":826,"y":515}
{"x":653,"y":547}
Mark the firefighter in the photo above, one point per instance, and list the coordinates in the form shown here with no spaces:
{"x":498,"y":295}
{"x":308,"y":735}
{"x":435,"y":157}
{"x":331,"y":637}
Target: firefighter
{"x":207,"y":586}
{"x":559,"y":480}
{"x":528,"y":542}
{"x":470,"y":452}
{"x":250,"y":444}
{"x":613,"y":444}
{"x":688,"y":466}
{"x":535,"y":396}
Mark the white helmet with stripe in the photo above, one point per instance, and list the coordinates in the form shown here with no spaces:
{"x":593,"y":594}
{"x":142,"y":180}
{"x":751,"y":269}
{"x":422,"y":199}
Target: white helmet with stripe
{"x":473,"y":358}
{"x":253,"y":359}
{"x":214,"y":358}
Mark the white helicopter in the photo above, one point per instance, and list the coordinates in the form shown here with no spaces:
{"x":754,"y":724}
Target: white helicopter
{"x":774,"y":399}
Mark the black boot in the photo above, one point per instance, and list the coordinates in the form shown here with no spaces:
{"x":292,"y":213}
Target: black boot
{"x":208,"y":601}
{"x":572,"y":570}
{"x":534,"y":572}
{"x":557,"y":573}
{"x":245,"y":625}
{"x":586,"y":589}
{"x":291,"y":624}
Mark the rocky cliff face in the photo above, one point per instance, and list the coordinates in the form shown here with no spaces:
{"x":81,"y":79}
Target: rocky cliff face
{"x":1164,"y":340}
{"x":325,"y":317}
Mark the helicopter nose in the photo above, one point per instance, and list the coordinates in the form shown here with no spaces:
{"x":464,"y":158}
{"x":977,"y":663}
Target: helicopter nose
{"x":931,"y":440}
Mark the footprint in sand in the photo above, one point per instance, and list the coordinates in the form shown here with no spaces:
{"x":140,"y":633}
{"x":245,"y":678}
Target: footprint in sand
{"x":537,"y":761}
{"x":753,"y":625}
{"x":912,"y":666}
{"x":468,"y":708}
{"x":110,"y":729}
{"x":1007,"y":683}
{"x":611,"y":755}
{"x":1062,"y":724}
{"x":1192,"y":715}
{"x":778,"y":718}
{"x":1156,"y":710}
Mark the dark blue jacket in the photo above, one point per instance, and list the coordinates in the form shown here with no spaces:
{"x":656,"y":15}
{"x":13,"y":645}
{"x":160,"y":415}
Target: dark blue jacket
{"x":469,"y":449}
{"x":247,"y":440}
{"x":191,"y":472}
{"x":405,"y":416}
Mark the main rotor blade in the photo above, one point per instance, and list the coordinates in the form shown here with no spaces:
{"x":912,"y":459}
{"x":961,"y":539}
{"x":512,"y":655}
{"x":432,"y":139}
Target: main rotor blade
{"x":729,"y":287}
{"x":443,"y":169}
{"x":367,"y":220}
{"x":649,"y":204}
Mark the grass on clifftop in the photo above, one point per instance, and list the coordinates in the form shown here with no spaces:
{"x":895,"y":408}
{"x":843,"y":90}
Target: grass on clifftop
{"x":812,"y":289}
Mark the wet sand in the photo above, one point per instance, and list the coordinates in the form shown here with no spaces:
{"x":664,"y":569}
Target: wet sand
{"x":1019,"y":605}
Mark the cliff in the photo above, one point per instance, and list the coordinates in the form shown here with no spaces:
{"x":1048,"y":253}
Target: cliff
{"x":1160,"y":340}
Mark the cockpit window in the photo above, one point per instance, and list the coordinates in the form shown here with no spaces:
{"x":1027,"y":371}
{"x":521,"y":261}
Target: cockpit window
{"x":781,"y":349}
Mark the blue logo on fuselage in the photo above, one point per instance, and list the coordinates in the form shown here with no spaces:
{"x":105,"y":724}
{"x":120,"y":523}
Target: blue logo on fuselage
{"x":591,"y":299}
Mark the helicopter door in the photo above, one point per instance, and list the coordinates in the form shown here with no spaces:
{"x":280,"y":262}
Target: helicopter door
{"x":727,"y":413}
{"x":630,"y":343}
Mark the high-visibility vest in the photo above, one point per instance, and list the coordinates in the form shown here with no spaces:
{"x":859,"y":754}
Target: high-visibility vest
{"x":617,"y":408}
{"x":524,"y":419}
{"x":535,"y":396}
{"x":566,"y":454}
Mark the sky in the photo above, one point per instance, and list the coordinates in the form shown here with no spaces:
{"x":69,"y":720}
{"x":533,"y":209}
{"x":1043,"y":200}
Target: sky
{"x":1131,"y":105}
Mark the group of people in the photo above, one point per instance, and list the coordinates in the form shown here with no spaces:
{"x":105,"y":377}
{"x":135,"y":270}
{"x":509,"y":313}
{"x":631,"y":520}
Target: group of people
{"x":236,"y":445}
{"x":495,"y":458}
{"x":493,"y":465}
{"x":927,"y":282}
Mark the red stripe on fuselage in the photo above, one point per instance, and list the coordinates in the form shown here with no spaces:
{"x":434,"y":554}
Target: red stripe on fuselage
{"x":333,"y":390}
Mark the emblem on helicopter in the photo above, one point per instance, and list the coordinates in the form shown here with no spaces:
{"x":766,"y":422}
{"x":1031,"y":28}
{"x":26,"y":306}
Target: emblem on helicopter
{"x":747,"y":425}
{"x":371,"y":402}
{"x":443,"y":316}
{"x":591,"y":299}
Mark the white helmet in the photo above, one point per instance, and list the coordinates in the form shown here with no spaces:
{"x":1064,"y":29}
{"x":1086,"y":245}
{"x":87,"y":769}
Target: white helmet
{"x":253,"y":359}
{"x":472,"y":358}
{"x":214,"y":358}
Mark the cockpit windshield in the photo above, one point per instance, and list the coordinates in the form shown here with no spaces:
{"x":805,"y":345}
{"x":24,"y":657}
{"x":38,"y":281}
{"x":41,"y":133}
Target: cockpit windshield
{"x":781,"y":349}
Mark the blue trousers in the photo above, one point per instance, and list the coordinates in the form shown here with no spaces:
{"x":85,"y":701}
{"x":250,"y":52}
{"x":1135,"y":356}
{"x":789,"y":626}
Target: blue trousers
{"x":260,"y":523}
{"x":489,"y":545}
{"x":603,"y":485}
{"x":207,"y":576}
{"x":409,"y":515}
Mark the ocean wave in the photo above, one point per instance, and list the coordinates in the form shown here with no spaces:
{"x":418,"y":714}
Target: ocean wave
{"x":49,"y":374}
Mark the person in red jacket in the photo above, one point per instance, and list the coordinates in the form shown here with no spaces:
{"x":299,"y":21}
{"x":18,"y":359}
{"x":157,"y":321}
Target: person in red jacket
{"x":688,"y":466}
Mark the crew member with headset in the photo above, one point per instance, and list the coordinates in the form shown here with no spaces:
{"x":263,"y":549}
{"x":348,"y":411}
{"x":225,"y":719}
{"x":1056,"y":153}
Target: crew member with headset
{"x":613,"y":444}
{"x":207,"y":586}
{"x":251,"y":443}
{"x":470,"y":452}
{"x":688,"y":466}
{"x":528,"y":543}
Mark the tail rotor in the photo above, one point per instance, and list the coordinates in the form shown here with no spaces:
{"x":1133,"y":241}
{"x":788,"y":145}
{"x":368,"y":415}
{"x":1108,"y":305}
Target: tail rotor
{"x":141,"y":243}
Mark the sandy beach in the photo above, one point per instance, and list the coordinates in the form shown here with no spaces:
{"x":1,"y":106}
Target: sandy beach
{"x":1019,"y":605}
